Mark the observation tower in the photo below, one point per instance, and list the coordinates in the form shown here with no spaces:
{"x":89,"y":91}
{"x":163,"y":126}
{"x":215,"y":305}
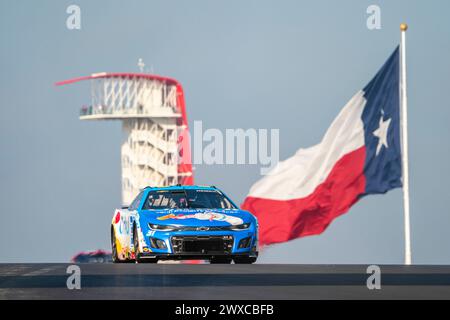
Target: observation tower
{"x":155,"y":149}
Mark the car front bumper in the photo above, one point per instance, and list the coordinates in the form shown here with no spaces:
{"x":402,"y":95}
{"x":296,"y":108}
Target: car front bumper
{"x":160,"y":256}
{"x":195,"y":245}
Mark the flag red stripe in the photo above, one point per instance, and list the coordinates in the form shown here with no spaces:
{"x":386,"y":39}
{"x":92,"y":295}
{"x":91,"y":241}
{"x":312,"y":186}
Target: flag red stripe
{"x":283,"y":220}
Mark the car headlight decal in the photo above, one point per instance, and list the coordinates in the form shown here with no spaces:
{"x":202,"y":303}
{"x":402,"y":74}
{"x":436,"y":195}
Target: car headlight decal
{"x":160,"y":227}
{"x":239,"y":227}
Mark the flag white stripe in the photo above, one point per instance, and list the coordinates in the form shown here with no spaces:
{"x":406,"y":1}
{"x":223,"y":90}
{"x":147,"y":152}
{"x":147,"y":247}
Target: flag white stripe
{"x":299,"y":175}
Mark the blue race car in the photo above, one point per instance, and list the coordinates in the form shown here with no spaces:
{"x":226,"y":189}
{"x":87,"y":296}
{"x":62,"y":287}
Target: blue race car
{"x":183,"y":222}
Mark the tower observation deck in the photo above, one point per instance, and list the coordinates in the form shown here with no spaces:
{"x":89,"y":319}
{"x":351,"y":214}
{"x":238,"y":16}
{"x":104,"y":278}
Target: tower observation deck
{"x":155,"y":149}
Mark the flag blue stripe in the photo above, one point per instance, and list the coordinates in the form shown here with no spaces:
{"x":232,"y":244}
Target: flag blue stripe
{"x":382,"y":167}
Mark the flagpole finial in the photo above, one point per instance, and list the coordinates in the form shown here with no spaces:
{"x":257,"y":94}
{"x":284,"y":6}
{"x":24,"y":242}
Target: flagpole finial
{"x":403,"y":27}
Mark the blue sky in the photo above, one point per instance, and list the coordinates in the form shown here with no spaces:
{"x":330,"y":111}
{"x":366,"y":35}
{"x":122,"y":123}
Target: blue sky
{"x":290,"y":65}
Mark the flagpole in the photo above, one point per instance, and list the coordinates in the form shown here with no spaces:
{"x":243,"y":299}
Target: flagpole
{"x":404,"y":126}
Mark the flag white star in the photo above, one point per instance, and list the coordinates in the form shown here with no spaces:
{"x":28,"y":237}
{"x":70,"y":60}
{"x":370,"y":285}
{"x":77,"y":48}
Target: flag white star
{"x":381,"y":134}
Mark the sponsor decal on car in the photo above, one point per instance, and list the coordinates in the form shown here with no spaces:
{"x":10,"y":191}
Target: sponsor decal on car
{"x":204,"y":216}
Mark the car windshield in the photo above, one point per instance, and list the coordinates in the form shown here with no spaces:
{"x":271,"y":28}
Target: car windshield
{"x":188,"y":198}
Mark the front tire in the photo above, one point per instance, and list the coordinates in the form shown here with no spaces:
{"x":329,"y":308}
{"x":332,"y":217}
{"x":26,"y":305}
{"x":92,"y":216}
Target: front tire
{"x":244,"y":260}
{"x":137,"y":255}
{"x":114,"y":255}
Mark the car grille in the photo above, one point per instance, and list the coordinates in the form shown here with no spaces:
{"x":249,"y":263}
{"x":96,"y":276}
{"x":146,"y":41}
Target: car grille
{"x":202,"y":244}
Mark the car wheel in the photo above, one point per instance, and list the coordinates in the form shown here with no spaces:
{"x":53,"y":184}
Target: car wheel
{"x":244,"y":260}
{"x":136,"y":245}
{"x":137,"y":257}
{"x":115,"y":257}
{"x":148,"y":260}
{"x":222,"y":260}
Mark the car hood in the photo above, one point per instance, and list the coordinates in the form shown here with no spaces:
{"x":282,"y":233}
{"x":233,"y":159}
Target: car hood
{"x":196,"y":217}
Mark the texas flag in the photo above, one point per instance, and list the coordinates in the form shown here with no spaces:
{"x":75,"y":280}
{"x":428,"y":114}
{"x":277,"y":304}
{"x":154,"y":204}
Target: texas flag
{"x":359,"y":155}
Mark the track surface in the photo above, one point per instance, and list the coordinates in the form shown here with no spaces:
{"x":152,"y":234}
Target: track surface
{"x":259,"y":281}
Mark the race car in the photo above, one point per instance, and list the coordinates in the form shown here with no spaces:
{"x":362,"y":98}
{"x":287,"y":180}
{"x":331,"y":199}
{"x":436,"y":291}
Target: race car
{"x":183,"y":222}
{"x":94,"y":256}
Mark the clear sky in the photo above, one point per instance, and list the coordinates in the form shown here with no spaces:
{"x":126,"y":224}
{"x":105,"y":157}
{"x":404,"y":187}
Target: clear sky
{"x":290,"y":65}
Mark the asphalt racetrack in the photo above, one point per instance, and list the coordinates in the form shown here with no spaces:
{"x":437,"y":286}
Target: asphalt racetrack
{"x":259,"y":281}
